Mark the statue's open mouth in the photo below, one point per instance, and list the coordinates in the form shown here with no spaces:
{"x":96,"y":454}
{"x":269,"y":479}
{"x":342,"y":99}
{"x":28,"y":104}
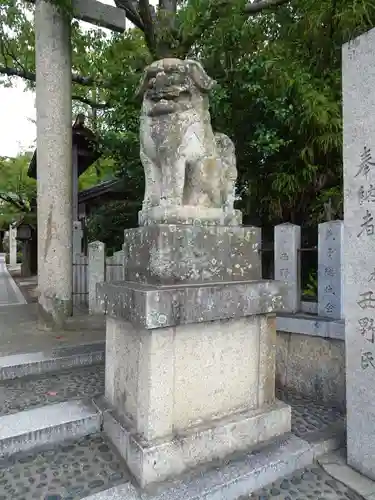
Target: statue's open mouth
{"x":161,"y":95}
{"x":163,"y":107}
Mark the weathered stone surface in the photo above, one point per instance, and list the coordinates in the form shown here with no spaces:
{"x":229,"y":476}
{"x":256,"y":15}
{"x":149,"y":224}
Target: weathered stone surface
{"x":230,"y":481}
{"x":168,"y":380}
{"x":185,"y":163}
{"x":152,"y":462}
{"x":312,"y":367}
{"x":330,"y":264}
{"x":47,"y":425}
{"x":169,"y":254}
{"x":12,"y":246}
{"x":359,"y":248}
{"x":287,"y":262}
{"x":54,"y":153}
{"x":96,"y":272}
{"x":98,"y":13}
{"x":158,"y":307}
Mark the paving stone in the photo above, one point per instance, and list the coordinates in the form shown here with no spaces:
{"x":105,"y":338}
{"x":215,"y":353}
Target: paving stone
{"x":309,"y":416}
{"x":39,"y":390}
{"x":311,"y":482}
{"x":53,"y":474}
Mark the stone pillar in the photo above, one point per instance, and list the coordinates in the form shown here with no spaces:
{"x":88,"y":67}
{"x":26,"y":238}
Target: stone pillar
{"x":190,"y":339}
{"x":96,"y":272}
{"x":54,"y":159}
{"x":287,"y":243}
{"x":358,"y":65}
{"x":12,"y":246}
{"x":330,"y":236}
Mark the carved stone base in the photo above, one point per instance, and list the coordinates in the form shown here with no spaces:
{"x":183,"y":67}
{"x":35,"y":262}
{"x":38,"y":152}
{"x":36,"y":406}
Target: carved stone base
{"x":169,"y":254}
{"x":190,"y":215}
{"x":158,"y":460}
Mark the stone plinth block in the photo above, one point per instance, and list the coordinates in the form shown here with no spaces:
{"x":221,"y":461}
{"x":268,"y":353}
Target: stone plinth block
{"x":168,"y":254}
{"x":192,"y":393}
{"x":158,"y":307}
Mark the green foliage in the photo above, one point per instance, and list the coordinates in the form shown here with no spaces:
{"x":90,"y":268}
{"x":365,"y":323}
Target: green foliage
{"x":17,"y":191}
{"x":278,"y":96}
{"x":311,"y":289}
{"x":108,"y":223}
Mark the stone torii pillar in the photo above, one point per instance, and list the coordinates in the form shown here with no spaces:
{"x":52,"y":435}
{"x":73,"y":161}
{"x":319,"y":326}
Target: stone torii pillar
{"x":54,"y":147}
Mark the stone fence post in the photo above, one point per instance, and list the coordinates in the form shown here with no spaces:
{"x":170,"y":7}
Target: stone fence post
{"x":330,"y":279}
{"x":287,"y":243}
{"x":12,"y":246}
{"x":96,"y":272}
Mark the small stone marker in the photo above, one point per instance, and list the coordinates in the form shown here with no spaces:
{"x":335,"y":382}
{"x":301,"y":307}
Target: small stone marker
{"x":358,"y":64}
{"x":77,"y":237}
{"x":329,"y":269}
{"x":287,"y":258}
{"x":96,"y":272}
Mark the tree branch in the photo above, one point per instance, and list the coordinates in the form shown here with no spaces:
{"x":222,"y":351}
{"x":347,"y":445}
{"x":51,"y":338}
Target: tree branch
{"x":131,"y":12}
{"x":201,"y":26}
{"x":92,"y":104}
{"x":258,"y":6}
{"x":28,"y":75}
{"x":18,"y":203}
{"x":148,"y":25}
{"x":86,"y":81}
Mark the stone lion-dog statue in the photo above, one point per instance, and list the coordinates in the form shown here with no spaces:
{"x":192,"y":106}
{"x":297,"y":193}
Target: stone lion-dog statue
{"x":185,"y":163}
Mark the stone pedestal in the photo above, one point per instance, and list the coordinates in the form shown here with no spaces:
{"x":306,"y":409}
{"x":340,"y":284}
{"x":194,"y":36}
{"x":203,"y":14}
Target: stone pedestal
{"x":190,"y":362}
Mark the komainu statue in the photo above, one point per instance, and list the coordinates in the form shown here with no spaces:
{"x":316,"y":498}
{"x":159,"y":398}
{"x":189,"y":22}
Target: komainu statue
{"x":186,"y":165}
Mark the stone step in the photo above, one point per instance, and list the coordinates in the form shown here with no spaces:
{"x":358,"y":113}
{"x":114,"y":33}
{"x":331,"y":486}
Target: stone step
{"x":89,"y":468}
{"x":319,"y":425}
{"x":40,"y":390}
{"x":71,"y":470}
{"x":34,"y":363}
{"x":281,"y":470}
{"x":47,"y":425}
{"x":316,"y":429}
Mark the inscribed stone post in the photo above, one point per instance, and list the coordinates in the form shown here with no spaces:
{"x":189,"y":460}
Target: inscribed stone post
{"x":287,"y":243}
{"x":54,"y":155}
{"x":96,"y":272}
{"x":358,"y":65}
{"x":330,"y":236}
{"x":12,"y":246}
